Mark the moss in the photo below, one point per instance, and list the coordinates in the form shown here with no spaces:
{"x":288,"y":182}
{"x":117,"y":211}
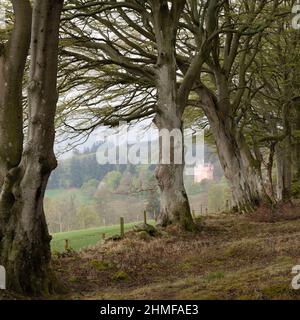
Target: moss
{"x":212,"y":276}
{"x":55,"y":254}
{"x":285,"y":260}
{"x":295,"y":189}
{"x":143,"y":235}
{"x":198,"y":220}
{"x":186,"y":221}
{"x":277,"y":291}
{"x":245,"y":250}
{"x":100,"y":265}
{"x":245,"y":297}
{"x":115,"y":237}
{"x":210,"y":297}
{"x":120,"y":276}
{"x":151,"y":266}
{"x":185,"y":266}
{"x":73,"y":279}
{"x":145,"y":228}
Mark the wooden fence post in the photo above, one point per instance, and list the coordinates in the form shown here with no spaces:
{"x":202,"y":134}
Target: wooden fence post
{"x":145,"y":217}
{"x":122,"y":227}
{"x":66,"y":244}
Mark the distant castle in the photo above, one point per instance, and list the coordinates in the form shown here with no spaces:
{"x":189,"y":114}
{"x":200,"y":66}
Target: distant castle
{"x":203,"y":171}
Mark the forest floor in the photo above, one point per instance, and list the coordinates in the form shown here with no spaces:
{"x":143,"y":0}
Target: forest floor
{"x":232,"y":257}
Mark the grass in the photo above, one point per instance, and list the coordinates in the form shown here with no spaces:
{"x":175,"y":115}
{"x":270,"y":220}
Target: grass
{"x":81,"y":239}
{"x":232,"y":257}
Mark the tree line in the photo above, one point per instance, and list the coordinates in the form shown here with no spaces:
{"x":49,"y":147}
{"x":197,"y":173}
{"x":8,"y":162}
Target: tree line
{"x":236,"y":62}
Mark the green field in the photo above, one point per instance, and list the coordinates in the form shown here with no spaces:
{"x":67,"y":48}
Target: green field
{"x":83,"y":238}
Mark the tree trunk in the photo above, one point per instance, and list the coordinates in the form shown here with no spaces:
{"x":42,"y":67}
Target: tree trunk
{"x":284,"y":170}
{"x":25,"y":241}
{"x":12,"y":63}
{"x":243,"y":173}
{"x":240,"y":168}
{"x":297,"y":144}
{"x":269,"y":167}
{"x":174,"y":206}
{"x":174,"y":201}
{"x":284,"y":157}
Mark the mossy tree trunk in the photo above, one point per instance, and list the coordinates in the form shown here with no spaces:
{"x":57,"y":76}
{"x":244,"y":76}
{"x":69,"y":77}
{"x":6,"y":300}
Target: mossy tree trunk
{"x":24,"y":238}
{"x":241,"y":169}
{"x":175,"y":206}
{"x":284,"y":152}
{"x":297,"y":144}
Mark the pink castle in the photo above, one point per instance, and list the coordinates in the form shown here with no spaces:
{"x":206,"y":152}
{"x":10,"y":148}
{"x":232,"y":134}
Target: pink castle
{"x":202,"y":172}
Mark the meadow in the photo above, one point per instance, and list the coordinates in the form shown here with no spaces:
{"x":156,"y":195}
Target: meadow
{"x":80,"y":239}
{"x":232,"y":258}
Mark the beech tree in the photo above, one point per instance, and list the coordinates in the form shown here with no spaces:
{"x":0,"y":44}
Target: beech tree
{"x":102,"y":44}
{"x":220,"y":77}
{"x":277,"y":104}
{"x":112,"y":53}
{"x":225,"y":97}
{"x":249,"y":114}
{"x":27,"y":161}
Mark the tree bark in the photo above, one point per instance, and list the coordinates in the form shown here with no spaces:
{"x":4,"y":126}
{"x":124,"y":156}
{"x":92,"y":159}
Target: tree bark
{"x":284,"y":157}
{"x":297,"y":144}
{"x":12,"y":63}
{"x":174,"y":201}
{"x":240,"y":168}
{"x":25,"y":241}
{"x":284,"y":171}
{"x":174,"y":207}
